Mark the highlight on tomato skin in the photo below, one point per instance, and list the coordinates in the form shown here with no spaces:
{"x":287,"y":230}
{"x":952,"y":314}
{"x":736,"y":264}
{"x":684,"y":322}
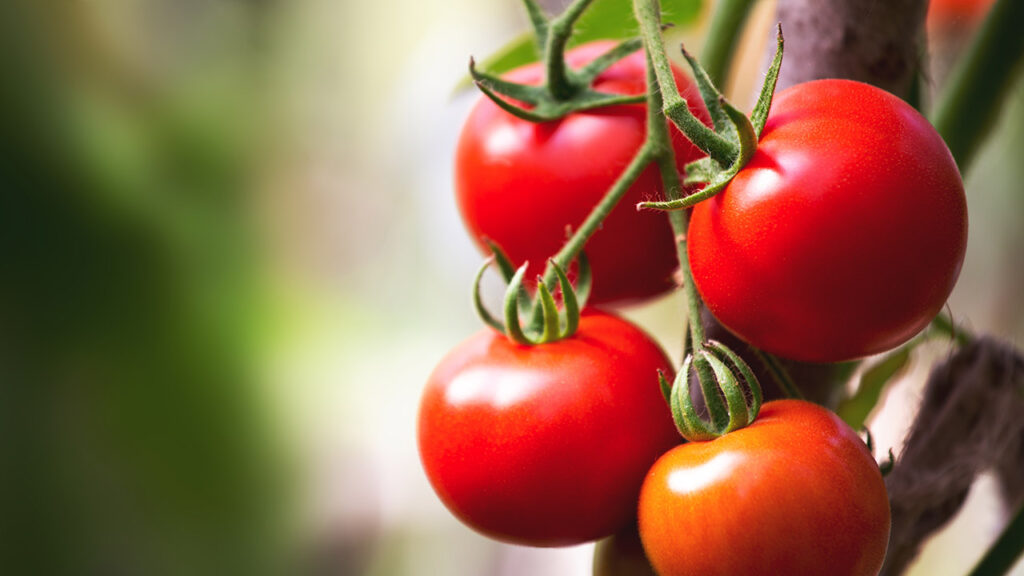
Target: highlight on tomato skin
{"x":796,"y":492}
{"x":546,"y":445}
{"x":522,"y":185}
{"x":844,"y":234}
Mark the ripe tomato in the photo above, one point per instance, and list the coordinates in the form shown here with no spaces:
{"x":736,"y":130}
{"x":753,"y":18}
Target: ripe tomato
{"x":523,"y":184}
{"x":546,"y":445}
{"x":796,"y":492}
{"x":844,"y":234}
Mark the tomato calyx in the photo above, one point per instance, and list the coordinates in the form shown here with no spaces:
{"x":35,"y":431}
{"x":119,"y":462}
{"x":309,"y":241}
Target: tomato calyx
{"x":564,"y":90}
{"x":545,"y":104}
{"x":737,"y":134}
{"x":547,"y":321}
{"x":730,"y":391}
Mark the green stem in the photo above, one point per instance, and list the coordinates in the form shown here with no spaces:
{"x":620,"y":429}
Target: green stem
{"x":1001,"y":557}
{"x":572,"y":247}
{"x":559,"y":32}
{"x":779,"y":374}
{"x":723,"y":35}
{"x":579,"y":238}
{"x":973,"y":97}
{"x":648,"y":14}
{"x":660,"y":144}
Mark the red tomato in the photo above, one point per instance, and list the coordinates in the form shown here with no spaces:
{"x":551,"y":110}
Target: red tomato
{"x":546,"y":445}
{"x":523,"y":184}
{"x":844,"y":234}
{"x":796,"y":492}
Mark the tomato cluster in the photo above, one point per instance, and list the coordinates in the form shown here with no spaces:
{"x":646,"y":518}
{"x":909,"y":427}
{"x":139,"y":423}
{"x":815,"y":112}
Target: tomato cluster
{"x":841,"y":237}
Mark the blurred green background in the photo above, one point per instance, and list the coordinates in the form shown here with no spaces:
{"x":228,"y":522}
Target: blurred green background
{"x":231,"y":256}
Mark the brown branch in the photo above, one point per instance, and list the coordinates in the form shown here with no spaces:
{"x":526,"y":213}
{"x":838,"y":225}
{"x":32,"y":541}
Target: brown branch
{"x":873,"y":41}
{"x":969,"y":421}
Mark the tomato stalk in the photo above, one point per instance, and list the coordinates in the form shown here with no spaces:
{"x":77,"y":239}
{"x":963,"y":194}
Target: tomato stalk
{"x":564,"y":90}
{"x":538,"y":328}
{"x":720,"y":373}
{"x":734,"y":139}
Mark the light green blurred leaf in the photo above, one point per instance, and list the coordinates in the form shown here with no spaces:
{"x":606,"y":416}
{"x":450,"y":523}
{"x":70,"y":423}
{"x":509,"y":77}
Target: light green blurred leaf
{"x":611,"y":19}
{"x":855,"y":409}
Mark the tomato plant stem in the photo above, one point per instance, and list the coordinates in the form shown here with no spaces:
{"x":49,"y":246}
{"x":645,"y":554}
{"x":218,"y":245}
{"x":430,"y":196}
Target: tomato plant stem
{"x":973,"y":97}
{"x":658,"y":142}
{"x":1001,"y":557}
{"x":723,"y":34}
{"x":576,"y":242}
{"x":558,"y":33}
{"x":648,"y":14}
{"x":779,"y":374}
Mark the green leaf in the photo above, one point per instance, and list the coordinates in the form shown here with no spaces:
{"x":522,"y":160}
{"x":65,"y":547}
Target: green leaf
{"x":614,"y":18}
{"x":611,"y":19}
{"x":855,"y":409}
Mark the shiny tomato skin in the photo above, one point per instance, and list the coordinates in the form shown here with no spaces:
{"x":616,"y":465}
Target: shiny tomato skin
{"x":796,"y":492}
{"x":546,"y":445}
{"x":523,"y":184}
{"x":844,"y":234}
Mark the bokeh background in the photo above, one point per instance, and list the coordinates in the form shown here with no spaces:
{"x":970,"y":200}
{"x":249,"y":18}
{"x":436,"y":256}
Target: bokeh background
{"x":231,"y":256}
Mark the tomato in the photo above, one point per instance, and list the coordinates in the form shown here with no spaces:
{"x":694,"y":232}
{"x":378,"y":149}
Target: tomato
{"x":844,"y":234}
{"x":523,"y":184}
{"x":546,"y":445}
{"x":796,"y":492}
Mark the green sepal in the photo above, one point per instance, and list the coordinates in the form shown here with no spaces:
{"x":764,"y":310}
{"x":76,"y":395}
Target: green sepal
{"x":512,"y":327}
{"x":730,"y":125}
{"x":478,"y":303}
{"x":707,"y":377}
{"x":747,"y":146}
{"x":759,"y":115}
{"x":740,"y":365}
{"x":551,"y":325}
{"x":666,"y":387}
{"x":548,"y":109}
{"x":701,"y":171}
{"x":569,"y":301}
{"x":492,"y":86}
{"x":501,"y":259}
{"x":507,"y":271}
{"x":586,"y":75}
{"x":731,"y":392}
{"x":548,"y":323}
{"x":711,"y":96}
{"x":684,"y":413}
